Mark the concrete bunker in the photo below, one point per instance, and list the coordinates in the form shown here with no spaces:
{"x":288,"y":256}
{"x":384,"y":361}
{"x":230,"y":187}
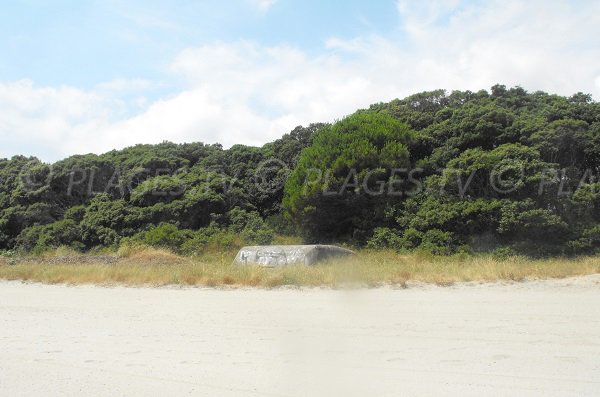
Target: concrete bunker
{"x":287,"y":255}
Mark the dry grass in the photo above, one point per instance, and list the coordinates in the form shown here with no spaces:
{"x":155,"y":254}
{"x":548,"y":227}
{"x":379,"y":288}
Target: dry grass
{"x":145,"y":266}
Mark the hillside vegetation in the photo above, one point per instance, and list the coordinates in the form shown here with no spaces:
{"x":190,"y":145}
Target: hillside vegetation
{"x":505,"y":171}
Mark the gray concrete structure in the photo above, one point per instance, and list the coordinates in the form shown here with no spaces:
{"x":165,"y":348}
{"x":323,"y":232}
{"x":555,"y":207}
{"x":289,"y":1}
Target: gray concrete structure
{"x":286,"y":255}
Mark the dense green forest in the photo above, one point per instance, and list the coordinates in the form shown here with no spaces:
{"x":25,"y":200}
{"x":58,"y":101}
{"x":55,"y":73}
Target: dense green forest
{"x":505,"y":171}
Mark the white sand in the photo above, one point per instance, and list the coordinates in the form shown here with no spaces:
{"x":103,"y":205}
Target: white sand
{"x":534,"y":338}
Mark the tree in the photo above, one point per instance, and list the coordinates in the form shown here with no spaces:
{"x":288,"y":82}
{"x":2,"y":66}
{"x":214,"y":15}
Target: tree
{"x":518,"y":169}
{"x":334,"y":191}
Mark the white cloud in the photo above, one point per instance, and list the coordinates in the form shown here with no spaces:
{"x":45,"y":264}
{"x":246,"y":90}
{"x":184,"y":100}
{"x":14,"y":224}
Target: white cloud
{"x":47,"y":117}
{"x":263,"y":5}
{"x":418,"y":16}
{"x":243,"y":92}
{"x":126,"y":85}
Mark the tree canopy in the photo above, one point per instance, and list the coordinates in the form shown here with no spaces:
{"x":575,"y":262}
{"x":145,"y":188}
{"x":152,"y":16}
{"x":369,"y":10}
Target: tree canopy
{"x":505,"y":170}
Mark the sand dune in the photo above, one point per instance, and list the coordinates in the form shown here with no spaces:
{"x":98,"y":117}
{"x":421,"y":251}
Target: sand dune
{"x":532,"y":338}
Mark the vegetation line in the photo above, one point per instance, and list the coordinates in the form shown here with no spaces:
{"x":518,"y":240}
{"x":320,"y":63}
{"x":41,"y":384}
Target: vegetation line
{"x":508,"y":172}
{"x":155,"y":267}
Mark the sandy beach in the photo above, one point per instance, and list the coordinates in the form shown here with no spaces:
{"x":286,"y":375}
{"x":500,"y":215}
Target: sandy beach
{"x":530,"y":338}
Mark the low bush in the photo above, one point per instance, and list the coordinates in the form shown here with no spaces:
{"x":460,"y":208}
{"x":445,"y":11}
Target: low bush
{"x":237,"y":228}
{"x":38,"y":239}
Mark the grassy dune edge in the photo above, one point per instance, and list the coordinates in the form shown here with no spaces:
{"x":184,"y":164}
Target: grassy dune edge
{"x":153,"y":267}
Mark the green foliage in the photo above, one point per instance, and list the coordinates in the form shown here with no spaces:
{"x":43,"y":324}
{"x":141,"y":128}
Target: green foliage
{"x":210,"y":238}
{"x":505,"y":171}
{"x":520,"y":220}
{"x":326,"y":193}
{"x":37,"y":239}
{"x":250,"y":226}
{"x":434,"y":241}
{"x":257,"y":232}
{"x":384,"y":237}
{"x":161,"y":189}
{"x":238,"y":227}
{"x":163,"y":236}
{"x":588,"y":242}
{"x":500,"y":169}
{"x":437,"y":242}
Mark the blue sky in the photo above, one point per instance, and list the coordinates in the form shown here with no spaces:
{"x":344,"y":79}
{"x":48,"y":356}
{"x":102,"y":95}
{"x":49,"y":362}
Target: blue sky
{"x":84,"y":43}
{"x":90,"y":76}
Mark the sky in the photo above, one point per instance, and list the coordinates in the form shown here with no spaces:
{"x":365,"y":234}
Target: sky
{"x":90,"y":76}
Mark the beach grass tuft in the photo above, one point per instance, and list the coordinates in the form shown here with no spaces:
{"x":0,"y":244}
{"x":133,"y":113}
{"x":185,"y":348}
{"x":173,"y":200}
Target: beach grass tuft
{"x":146,"y":266}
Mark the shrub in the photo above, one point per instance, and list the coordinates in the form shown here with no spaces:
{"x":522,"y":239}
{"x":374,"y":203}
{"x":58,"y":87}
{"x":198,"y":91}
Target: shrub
{"x":588,"y":242}
{"x":210,"y":238}
{"x":37,"y":239}
{"x":384,"y":237}
{"x":163,"y":236}
{"x":411,"y":238}
{"x":522,"y":223}
{"x":75,"y":214}
{"x":159,"y":189}
{"x":504,"y":253}
{"x":256,"y":231}
{"x":281,"y":225}
{"x":251,"y":227}
{"x":437,"y":242}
